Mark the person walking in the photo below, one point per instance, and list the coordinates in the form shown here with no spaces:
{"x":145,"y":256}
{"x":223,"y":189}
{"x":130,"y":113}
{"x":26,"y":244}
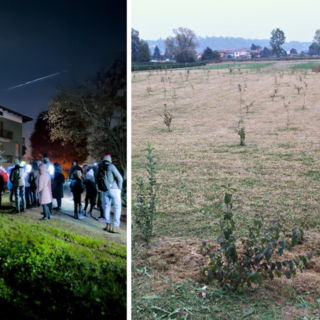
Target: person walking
{"x":34,"y":183}
{"x":109,"y":183}
{"x":75,"y":166}
{"x":45,"y":192}
{"x":17,"y":180}
{"x":10,"y":185}
{"x":2,"y":186}
{"x":58,"y":181}
{"x":77,"y":189}
{"x":27,"y":170}
{"x":49,"y":166}
{"x":91,"y":195}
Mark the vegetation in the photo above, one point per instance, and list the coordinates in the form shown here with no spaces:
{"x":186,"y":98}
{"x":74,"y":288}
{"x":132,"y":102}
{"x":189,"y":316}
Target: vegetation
{"x":208,"y":54}
{"x":50,"y":273}
{"x":95,"y":110}
{"x":259,"y":257}
{"x":276,"y":172}
{"x":144,"y":52}
{"x":64,"y":154}
{"x":166,"y":66}
{"x":135,"y":44}
{"x":144,"y":208}
{"x":277,"y":40}
{"x":183,"y":45}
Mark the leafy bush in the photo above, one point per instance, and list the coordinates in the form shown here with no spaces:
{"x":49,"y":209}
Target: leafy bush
{"x":163,"y":66}
{"x":47,"y":273}
{"x":144,"y":207}
{"x":260,"y":257}
{"x":242,"y":135}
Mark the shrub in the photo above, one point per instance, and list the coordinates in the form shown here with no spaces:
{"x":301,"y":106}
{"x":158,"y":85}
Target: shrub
{"x":260,"y":257}
{"x":242,"y":135}
{"x":165,"y":66}
{"x":47,"y":273}
{"x":144,"y":207}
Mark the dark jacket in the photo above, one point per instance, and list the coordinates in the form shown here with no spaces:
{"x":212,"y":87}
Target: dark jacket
{"x":1,"y":184}
{"x":90,"y":181}
{"x":34,"y":176}
{"x":17,"y":176}
{"x":73,"y":168}
{"x":58,"y":181}
{"x":76,"y":186}
{"x":115,"y":179}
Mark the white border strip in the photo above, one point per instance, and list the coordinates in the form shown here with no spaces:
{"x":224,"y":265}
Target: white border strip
{"x":129,"y":257}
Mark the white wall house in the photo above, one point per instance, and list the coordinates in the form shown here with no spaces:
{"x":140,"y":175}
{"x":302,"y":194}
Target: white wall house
{"x":242,"y":53}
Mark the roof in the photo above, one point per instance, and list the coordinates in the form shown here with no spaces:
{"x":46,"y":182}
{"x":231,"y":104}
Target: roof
{"x":24,"y":118}
{"x":242,"y":50}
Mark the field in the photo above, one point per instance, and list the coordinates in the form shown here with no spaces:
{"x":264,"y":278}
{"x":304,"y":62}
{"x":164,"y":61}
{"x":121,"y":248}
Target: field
{"x":276,"y":172}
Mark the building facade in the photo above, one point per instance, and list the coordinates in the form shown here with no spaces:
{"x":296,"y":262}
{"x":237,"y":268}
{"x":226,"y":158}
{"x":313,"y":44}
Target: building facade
{"x":11,"y":139}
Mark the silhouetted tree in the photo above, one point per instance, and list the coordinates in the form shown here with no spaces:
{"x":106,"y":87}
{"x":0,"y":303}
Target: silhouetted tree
{"x":95,"y":110}
{"x":63,"y":153}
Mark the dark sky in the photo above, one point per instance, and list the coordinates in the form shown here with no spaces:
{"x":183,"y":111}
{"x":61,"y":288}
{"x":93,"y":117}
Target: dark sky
{"x":43,"y":37}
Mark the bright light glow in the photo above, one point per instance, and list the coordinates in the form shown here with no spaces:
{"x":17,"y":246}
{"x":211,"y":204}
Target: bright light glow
{"x":51,"y":170}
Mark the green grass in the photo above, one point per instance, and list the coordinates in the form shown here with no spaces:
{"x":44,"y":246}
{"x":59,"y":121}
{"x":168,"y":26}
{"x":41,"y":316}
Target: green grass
{"x":250,"y":66}
{"x":305,"y":65}
{"x":185,"y":301}
{"x":49,"y":272}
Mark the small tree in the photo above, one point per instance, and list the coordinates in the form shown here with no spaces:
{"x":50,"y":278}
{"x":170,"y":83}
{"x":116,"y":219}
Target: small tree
{"x":242,"y":135}
{"x":167,"y":118}
{"x":259,"y":256}
{"x":144,"y":207}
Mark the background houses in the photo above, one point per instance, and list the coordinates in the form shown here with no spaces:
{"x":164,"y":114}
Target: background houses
{"x":11,"y":139}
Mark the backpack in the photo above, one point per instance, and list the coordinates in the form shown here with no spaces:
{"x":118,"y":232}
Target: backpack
{"x":102,"y":178}
{"x":15,"y":176}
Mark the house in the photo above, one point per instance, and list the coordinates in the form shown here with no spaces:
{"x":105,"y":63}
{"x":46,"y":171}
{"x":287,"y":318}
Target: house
{"x":11,"y":140}
{"x":242,"y":53}
{"x":223,"y":54}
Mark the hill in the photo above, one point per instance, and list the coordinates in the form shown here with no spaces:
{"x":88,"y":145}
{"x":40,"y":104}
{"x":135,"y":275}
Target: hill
{"x":220,"y":43}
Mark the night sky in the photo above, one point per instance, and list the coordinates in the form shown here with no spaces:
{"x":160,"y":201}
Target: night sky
{"x":40,"y":38}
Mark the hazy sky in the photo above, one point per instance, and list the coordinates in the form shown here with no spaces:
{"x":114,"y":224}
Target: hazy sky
{"x":43,"y":37}
{"x":253,"y":19}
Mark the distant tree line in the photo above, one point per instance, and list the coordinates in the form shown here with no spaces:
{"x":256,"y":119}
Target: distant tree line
{"x":181,"y":47}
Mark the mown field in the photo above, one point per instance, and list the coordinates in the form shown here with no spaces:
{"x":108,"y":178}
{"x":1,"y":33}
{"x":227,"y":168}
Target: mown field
{"x":276,"y":172}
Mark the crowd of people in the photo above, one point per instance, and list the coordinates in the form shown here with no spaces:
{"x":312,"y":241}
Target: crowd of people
{"x":38,"y":183}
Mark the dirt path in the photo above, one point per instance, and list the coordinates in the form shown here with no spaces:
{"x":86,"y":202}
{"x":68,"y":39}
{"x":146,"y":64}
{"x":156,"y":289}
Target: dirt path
{"x":64,"y":219}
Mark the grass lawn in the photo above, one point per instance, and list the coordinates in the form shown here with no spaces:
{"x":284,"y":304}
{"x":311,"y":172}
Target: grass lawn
{"x":277,"y":172}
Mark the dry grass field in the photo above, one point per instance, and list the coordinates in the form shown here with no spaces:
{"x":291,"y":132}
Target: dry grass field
{"x":276,"y":172}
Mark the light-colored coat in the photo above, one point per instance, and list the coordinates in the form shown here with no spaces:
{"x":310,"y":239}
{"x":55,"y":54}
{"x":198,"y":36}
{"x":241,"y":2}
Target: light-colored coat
{"x":44,"y":188}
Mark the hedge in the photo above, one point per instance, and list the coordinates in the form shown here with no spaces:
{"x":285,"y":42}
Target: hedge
{"x":171,"y":65}
{"x":48,"y":273}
